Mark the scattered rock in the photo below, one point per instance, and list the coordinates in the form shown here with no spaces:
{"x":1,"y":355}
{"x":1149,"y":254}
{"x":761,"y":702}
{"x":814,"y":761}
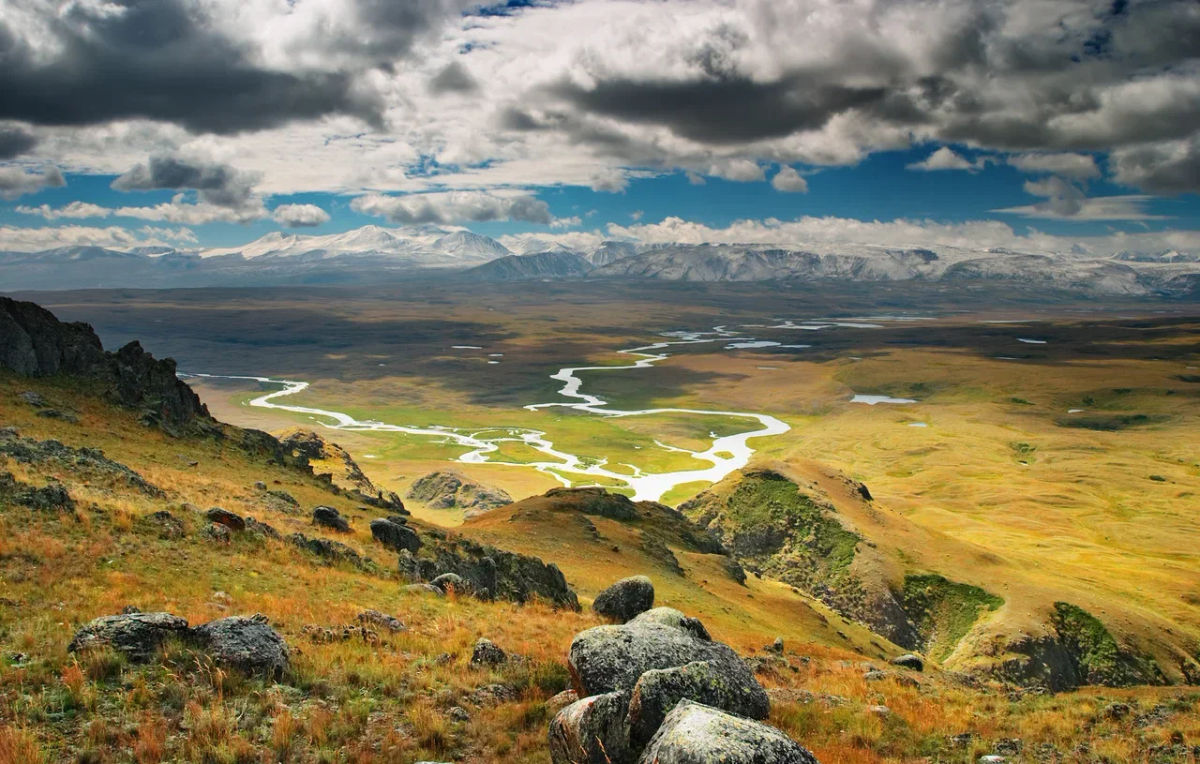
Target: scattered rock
{"x":879,"y":710}
{"x":660,"y":690}
{"x":875,"y":675}
{"x":244,"y":643}
{"x":423,"y":589}
{"x":88,"y":463}
{"x":334,"y":551}
{"x":909,"y":661}
{"x":262,"y":529}
{"x":218,"y":533}
{"x":64,"y":416}
{"x":695,"y":734}
{"x":164,"y":523}
{"x":592,"y":730}
{"x":669,"y":616}
{"x":776,"y":646}
{"x":448,"y":582}
{"x":448,"y":489}
{"x":1116,"y":711}
{"x":494,"y":693}
{"x":328,"y":517}
{"x":625,"y":599}
{"x":389,"y":622}
{"x":487,"y":653}
{"x":136,"y":635}
{"x":489,"y":573}
{"x":260,"y":485}
{"x":395,"y":536}
{"x":458,"y":714}
{"x":560,"y":701}
{"x":33,"y":399}
{"x":230,"y":520}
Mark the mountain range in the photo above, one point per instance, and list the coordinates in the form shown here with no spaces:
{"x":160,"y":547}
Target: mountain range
{"x":375,"y":253}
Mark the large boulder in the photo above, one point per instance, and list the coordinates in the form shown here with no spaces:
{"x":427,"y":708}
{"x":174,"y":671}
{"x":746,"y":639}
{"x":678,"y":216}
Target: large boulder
{"x":592,"y":730}
{"x":669,"y":616}
{"x":230,"y":520}
{"x":607,"y":658}
{"x":697,"y":734}
{"x":328,"y":517}
{"x":137,"y":635}
{"x":625,"y":599}
{"x":448,"y":489}
{"x":394,"y":535}
{"x":486,"y":654}
{"x":247,"y":644}
{"x":660,"y":690}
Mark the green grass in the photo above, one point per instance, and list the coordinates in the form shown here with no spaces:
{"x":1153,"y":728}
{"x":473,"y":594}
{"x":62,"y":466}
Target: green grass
{"x":943,"y":610}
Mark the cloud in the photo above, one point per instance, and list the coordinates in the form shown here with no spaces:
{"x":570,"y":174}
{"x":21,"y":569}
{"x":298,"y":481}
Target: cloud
{"x":739,"y":170}
{"x":1065,"y":200}
{"x":1170,"y":167}
{"x":299,"y":215}
{"x":17,"y":239}
{"x":178,"y":211}
{"x":216,"y":183}
{"x":15,"y":140}
{"x":946,"y":158}
{"x":454,"y":78}
{"x":71,"y":210}
{"x":787,"y":179}
{"x":17,"y":181}
{"x":454,"y":207}
{"x":1075,"y":166}
{"x":611,"y":181}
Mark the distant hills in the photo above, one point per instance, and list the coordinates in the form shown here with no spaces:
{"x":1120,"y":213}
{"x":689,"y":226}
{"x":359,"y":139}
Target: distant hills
{"x":372,"y":254}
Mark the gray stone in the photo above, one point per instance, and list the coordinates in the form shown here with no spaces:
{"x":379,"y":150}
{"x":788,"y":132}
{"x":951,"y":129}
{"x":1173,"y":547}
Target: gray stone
{"x":625,"y":599}
{"x":593,"y":730}
{"x":247,"y":644}
{"x":422,"y":589}
{"x":486,"y":654}
{"x":136,"y":635}
{"x":328,"y":517}
{"x":389,"y":622}
{"x":696,"y":734}
{"x":909,"y":661}
{"x":660,"y":690}
{"x":218,"y":533}
{"x":669,"y":616}
{"x":230,"y":520}
{"x":448,"y":581}
{"x":395,"y":536}
{"x":607,"y":658}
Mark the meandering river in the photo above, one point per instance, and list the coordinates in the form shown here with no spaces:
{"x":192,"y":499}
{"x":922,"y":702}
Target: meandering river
{"x":725,"y":454}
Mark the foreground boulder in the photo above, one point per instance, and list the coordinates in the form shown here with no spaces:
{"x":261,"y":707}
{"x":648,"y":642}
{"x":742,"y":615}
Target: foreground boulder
{"x":696,"y":734}
{"x":608,"y":658}
{"x":660,"y":690}
{"x":247,"y":644}
{"x":395,"y":535}
{"x":137,"y":636}
{"x":625,"y":599}
{"x":593,"y":730}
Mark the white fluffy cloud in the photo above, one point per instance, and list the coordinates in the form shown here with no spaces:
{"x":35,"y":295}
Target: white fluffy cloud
{"x":299,"y":215}
{"x":787,"y":179}
{"x":1075,"y":166}
{"x":946,"y":158}
{"x":18,"y":181}
{"x":19,"y":239}
{"x":455,"y":207}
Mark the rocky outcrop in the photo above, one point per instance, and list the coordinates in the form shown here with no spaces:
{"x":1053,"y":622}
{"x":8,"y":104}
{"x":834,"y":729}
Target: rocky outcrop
{"x":488,"y":572}
{"x":326,"y":549}
{"x":486,"y":654}
{"x":309,"y":448}
{"x":89,"y":463}
{"x":137,"y":636}
{"x":625,"y":599}
{"x":247,"y":644}
{"x":448,"y":489}
{"x":394,"y":533}
{"x":596,"y":501}
{"x":34,"y":343}
{"x":697,"y":734}
{"x":630,"y":677}
{"x":50,"y":498}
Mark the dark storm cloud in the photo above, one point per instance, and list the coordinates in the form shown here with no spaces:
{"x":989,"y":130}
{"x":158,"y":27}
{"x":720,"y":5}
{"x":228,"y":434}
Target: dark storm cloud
{"x":157,"y":59}
{"x":1161,"y":169}
{"x":454,"y":78}
{"x":728,"y":110}
{"x":216,"y":183}
{"x":15,"y":141}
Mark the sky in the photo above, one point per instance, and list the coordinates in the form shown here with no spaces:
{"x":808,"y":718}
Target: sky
{"x":1034,"y":125}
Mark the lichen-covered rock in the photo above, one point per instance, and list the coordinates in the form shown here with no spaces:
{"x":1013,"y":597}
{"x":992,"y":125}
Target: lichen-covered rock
{"x":491,"y":573}
{"x":697,"y":734}
{"x":597,"y":501}
{"x":53,"y":497}
{"x":395,"y":536}
{"x":669,"y":616}
{"x":592,"y":730}
{"x":247,"y":644}
{"x":487,"y":653}
{"x":625,"y":599}
{"x":389,"y":622}
{"x":659,"y":690}
{"x":164,"y":523}
{"x":452,"y":582}
{"x":607,"y":658}
{"x":335,"y":551}
{"x":448,"y":489}
{"x":136,"y":635}
{"x":230,"y":520}
{"x":328,"y":517}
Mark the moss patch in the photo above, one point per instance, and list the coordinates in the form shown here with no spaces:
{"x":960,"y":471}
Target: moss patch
{"x":943,"y":610}
{"x":1097,"y":657}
